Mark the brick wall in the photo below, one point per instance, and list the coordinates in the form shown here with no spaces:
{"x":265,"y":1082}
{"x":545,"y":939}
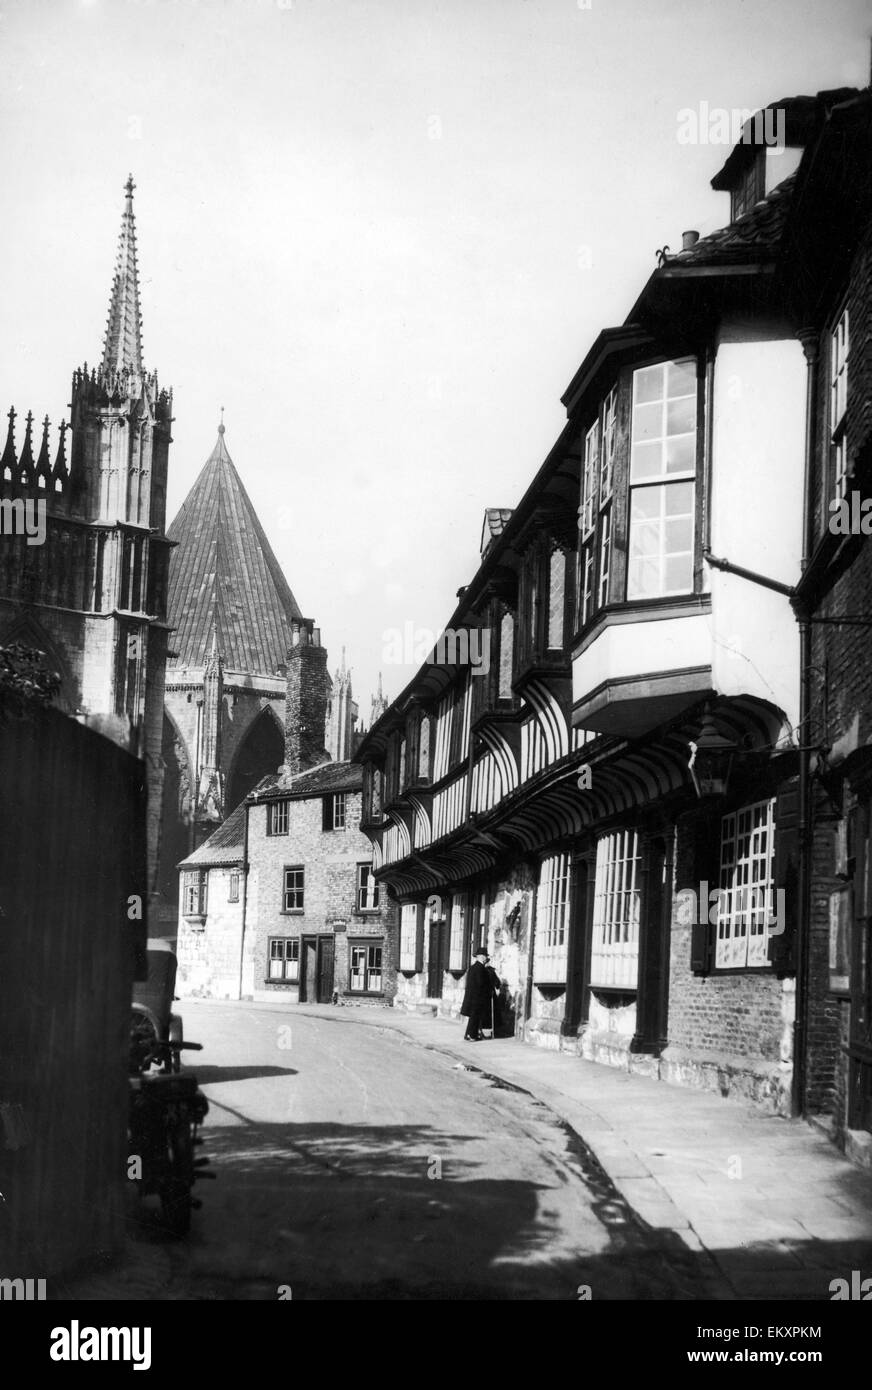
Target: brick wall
{"x":841,"y":702}
{"x":727,"y":1032}
{"x":306,"y":708}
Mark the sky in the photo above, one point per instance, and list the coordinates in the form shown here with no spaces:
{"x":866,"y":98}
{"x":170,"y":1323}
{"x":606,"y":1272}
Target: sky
{"x":382,"y":234}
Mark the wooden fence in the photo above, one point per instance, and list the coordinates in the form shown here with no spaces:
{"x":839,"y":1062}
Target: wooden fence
{"x":72,"y":853}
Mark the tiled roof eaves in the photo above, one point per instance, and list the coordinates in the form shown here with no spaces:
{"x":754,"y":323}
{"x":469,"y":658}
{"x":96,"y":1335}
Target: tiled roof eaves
{"x":201,"y":860}
{"x":306,"y":785}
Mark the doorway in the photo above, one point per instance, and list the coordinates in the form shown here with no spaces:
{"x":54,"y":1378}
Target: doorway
{"x":316,"y":970}
{"x":436,"y":957}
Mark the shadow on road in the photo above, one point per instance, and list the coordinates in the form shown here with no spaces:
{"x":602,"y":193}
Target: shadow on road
{"x":208,"y":1076}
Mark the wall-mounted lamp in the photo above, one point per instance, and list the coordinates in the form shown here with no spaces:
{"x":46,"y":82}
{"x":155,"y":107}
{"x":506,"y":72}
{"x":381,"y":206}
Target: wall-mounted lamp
{"x":711,"y":759}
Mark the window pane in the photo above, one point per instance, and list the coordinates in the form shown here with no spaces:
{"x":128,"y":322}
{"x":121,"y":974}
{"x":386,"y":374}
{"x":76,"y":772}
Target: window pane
{"x":678,"y":499}
{"x":680,"y":453}
{"x":645,"y":461}
{"x":681,"y":415}
{"x":679,"y":535}
{"x":682,"y":378}
{"x":679,"y":573}
{"x":615,"y":949}
{"x":648,"y":383}
{"x":648,"y":421}
{"x":664,"y":420}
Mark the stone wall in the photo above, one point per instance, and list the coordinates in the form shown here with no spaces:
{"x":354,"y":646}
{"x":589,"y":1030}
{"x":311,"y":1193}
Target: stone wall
{"x":330,"y":860}
{"x":209,"y":955}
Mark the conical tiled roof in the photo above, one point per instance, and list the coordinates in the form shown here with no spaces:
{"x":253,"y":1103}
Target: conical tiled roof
{"x":225,"y":577}
{"x":122,"y":348}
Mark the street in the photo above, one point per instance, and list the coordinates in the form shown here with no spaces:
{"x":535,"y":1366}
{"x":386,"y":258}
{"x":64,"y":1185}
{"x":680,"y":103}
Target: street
{"x":353,"y":1164}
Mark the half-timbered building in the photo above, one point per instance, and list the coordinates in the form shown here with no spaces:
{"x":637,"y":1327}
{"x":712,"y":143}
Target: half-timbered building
{"x":611,"y":802}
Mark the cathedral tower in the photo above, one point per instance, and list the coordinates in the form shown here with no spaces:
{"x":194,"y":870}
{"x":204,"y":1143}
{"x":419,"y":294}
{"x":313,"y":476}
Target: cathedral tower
{"x":93,"y":595}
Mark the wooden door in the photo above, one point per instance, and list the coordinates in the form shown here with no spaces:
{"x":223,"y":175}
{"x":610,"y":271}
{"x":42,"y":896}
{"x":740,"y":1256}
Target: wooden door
{"x":325,"y":969}
{"x":308,"y":971}
{"x":436,"y":958}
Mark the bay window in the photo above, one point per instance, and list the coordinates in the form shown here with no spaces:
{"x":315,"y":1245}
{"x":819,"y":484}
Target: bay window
{"x":662,"y":472}
{"x":595,"y":512}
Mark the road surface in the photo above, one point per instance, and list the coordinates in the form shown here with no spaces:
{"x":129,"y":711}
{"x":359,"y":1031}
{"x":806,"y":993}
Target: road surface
{"x":353,"y":1164}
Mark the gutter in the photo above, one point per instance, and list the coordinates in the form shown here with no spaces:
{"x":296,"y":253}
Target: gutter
{"x":800,"y":1025}
{"x":244,"y":896}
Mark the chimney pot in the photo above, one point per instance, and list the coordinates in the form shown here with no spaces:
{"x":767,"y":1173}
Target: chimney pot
{"x":689,"y":239}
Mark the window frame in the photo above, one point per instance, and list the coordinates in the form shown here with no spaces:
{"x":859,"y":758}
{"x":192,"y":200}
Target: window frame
{"x":233,"y":886}
{"x":297,"y":890}
{"x":359,"y":888}
{"x":196,"y":880}
{"x":292,"y":959}
{"x":369,"y":945}
{"x":553,"y":912}
{"x":663,"y":479}
{"x":838,"y":365}
{"x":743,"y":967}
{"x":459,"y":935}
{"x":411,"y":924}
{"x":750,"y":186}
{"x":330,"y":804}
{"x":278,"y":811}
{"x":615,"y":934}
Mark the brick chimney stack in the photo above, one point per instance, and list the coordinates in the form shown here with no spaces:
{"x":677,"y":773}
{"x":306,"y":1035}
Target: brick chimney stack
{"x":306,"y":703}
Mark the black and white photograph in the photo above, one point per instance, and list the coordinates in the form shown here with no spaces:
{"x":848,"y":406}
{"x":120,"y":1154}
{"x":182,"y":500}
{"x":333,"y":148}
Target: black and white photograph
{"x":435,"y":672}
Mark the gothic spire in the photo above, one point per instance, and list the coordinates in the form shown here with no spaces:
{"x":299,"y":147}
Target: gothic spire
{"x":123,"y":345}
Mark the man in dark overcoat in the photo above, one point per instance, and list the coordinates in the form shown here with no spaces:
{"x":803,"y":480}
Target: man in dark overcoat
{"x":476,"y":1006}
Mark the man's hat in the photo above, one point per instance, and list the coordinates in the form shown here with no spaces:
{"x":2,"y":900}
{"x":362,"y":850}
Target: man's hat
{"x":480,"y":951}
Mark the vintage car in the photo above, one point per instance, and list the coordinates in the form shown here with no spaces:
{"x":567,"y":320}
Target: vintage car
{"x":166,"y":1109}
{"x":156,"y":1034}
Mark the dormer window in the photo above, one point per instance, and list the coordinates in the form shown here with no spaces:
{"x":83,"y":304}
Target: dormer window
{"x":749,"y":187}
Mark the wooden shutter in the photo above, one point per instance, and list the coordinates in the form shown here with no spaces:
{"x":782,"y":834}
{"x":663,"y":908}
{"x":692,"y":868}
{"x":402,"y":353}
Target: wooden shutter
{"x":419,"y":938}
{"x":782,"y":948}
{"x":701,"y":865}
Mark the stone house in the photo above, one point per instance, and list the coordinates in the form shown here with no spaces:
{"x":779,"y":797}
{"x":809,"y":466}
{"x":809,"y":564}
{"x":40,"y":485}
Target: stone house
{"x":280,"y":901}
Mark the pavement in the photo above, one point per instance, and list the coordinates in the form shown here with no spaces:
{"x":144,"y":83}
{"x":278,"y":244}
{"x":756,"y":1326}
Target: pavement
{"x":769,"y":1203}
